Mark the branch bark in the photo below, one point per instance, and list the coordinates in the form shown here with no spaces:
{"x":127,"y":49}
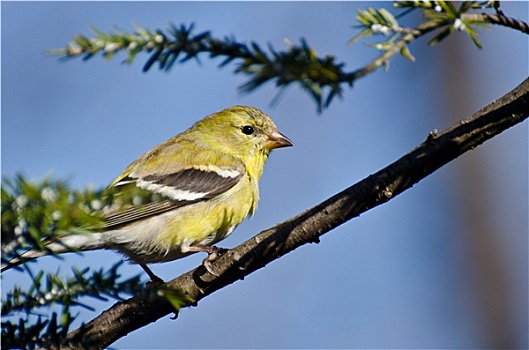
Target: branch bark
{"x":307,"y":227}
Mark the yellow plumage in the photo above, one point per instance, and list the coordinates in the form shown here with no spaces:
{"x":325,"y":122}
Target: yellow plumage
{"x":207,"y":180}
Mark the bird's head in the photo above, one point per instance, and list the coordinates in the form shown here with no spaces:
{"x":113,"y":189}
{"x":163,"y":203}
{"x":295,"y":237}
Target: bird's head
{"x":243,"y":131}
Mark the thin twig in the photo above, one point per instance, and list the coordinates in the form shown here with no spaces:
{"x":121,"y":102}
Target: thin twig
{"x":497,"y":19}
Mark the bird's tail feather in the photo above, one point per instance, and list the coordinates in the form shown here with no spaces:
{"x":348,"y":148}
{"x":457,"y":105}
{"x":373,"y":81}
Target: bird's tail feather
{"x":67,"y":244}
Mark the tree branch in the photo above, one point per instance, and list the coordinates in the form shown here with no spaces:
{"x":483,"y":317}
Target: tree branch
{"x":307,"y":227}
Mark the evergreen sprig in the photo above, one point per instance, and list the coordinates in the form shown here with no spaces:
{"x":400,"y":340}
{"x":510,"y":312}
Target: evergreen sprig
{"x":36,"y":211}
{"x":300,"y":63}
{"x":32,"y":212}
{"x":49,"y":289}
{"x":35,"y":330}
{"x":322,"y":77}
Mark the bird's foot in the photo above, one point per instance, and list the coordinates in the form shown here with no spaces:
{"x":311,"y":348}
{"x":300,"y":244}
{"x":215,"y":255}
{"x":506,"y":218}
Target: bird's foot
{"x":213,"y":253}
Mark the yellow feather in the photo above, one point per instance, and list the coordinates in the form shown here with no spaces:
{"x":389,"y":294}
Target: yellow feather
{"x":230,"y":145}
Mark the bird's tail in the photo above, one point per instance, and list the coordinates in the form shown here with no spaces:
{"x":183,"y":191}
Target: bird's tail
{"x":70,"y":243}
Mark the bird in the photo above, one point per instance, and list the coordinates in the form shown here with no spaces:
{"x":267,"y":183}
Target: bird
{"x":204,"y":181}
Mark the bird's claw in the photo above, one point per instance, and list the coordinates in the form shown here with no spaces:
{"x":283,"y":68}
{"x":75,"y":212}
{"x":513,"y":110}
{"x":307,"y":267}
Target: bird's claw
{"x":213,"y":254}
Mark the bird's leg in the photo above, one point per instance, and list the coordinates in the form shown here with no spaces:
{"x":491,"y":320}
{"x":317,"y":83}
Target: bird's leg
{"x":155,"y":280}
{"x":213,"y":253}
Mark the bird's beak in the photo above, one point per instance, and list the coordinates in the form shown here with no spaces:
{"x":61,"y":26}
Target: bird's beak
{"x":277,"y":140}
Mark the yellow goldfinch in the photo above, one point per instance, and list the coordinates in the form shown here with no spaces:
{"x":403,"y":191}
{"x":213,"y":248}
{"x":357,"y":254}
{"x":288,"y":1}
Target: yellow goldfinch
{"x":207,"y":181}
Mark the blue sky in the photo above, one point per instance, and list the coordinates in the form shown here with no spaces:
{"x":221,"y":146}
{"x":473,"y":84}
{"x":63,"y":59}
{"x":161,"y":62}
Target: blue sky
{"x":398,"y":276}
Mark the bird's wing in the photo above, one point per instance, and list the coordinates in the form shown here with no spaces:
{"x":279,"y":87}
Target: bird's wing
{"x":174,"y":190}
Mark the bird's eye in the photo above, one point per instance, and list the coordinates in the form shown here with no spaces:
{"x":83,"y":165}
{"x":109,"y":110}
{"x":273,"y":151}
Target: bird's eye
{"x":247,"y":129}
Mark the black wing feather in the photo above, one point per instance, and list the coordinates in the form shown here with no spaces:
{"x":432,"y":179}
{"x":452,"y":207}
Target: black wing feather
{"x":193,"y":180}
{"x":197,"y":181}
